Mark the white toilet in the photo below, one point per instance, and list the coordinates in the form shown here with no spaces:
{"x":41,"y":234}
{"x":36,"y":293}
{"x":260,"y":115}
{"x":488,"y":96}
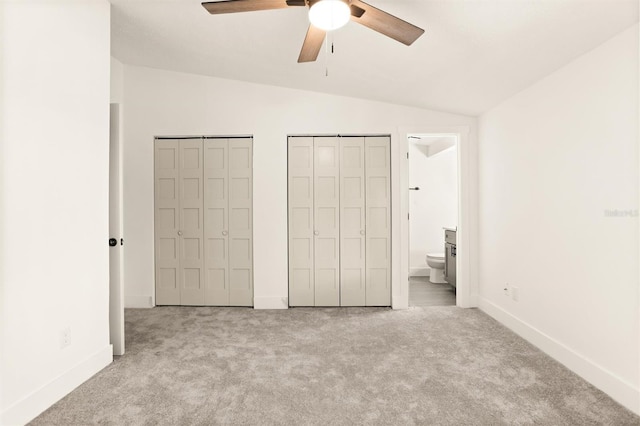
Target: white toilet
{"x":436,"y":263}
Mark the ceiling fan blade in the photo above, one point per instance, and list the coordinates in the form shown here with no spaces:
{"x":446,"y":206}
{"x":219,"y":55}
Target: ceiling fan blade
{"x":384,"y":23}
{"x":312,"y":44}
{"x":232,"y":6}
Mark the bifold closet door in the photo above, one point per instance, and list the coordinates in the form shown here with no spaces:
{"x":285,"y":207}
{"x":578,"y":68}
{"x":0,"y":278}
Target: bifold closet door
{"x":339,"y":221}
{"x":240,"y":222}
{"x":326,"y":230}
{"x":352,"y":222}
{"x":203,"y":221}
{"x":191,"y":223}
{"x":228,"y":222}
{"x":301,"y":238}
{"x":216,"y":224}
{"x":314,"y":221}
{"x":179,"y":222}
{"x":378,"y":220}
{"x":167,"y":219}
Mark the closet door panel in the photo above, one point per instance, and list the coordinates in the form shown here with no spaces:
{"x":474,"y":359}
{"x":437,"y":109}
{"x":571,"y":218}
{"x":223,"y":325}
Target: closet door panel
{"x":378,"y":219}
{"x":240,"y":223}
{"x":301,"y":220}
{"x":191,"y":222}
{"x":352,"y":222}
{"x":216,"y":213}
{"x":167,"y":221}
{"x":327,"y":220}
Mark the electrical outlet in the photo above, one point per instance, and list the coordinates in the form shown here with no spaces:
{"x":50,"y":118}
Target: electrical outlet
{"x":514,"y":293}
{"x":507,"y":289}
{"x":65,"y":338}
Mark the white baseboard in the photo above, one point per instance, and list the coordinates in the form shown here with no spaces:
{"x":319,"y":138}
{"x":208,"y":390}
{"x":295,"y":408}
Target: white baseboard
{"x":617,"y":388}
{"x":35,"y":403}
{"x":419,"y":271}
{"x":138,"y":301}
{"x":270,"y":303}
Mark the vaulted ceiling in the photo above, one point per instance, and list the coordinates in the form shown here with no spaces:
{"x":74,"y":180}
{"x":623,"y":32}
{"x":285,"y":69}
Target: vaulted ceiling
{"x":473,"y":55}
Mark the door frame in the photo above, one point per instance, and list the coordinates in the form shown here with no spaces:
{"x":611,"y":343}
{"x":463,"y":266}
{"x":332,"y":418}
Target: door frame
{"x":466,"y":259}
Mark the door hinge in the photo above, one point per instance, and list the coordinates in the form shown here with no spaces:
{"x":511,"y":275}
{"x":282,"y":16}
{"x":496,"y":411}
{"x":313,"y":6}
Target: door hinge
{"x":407,"y":216}
{"x":407,"y":155}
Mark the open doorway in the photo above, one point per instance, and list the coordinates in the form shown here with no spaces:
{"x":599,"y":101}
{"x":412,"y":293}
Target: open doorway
{"x":433,"y":218}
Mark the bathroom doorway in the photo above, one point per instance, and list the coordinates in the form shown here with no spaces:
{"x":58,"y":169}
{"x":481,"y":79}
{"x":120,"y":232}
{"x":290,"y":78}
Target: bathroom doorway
{"x":433,"y":211}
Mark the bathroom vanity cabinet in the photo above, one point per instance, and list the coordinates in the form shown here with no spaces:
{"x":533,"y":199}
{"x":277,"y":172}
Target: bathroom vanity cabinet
{"x":450,"y":256}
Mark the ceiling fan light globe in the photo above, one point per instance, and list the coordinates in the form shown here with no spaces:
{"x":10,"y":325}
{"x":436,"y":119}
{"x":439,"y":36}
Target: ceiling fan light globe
{"x":329,"y":15}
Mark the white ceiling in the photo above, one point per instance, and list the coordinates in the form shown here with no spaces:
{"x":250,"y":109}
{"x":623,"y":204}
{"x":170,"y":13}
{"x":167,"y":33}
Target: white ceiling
{"x":474,"y":54}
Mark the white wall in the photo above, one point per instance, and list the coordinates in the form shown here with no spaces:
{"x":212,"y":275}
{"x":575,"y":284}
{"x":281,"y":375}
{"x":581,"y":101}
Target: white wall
{"x":168,"y":103}
{"x":435,"y":205}
{"x":54,"y":200}
{"x":553,"y":159}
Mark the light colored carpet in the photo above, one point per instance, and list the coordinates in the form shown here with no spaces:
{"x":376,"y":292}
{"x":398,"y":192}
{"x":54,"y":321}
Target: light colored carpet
{"x":433,"y":366}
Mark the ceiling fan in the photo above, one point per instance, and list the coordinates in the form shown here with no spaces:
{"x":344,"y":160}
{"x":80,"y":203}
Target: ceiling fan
{"x":326,"y":15}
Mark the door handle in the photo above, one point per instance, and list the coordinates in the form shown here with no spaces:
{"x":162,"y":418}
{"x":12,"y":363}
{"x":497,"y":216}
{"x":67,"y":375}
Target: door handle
{"x":362,"y":232}
{"x":316,"y":233}
{"x":415,"y":188}
{"x":180,"y":233}
{"x":113,"y":242}
{"x":224,"y":233}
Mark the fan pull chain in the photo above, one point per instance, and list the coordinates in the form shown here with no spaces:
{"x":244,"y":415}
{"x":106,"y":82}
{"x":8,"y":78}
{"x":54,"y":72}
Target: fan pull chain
{"x":326,"y":55}
{"x":326,"y":50}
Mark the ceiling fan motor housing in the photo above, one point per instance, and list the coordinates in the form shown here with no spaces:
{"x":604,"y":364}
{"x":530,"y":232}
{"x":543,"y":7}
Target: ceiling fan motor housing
{"x":312,"y":2}
{"x":355,"y":10}
{"x":329,"y":15}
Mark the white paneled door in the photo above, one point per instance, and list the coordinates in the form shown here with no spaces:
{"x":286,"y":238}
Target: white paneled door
{"x":378,"y":225}
{"x":240,"y":223}
{"x":301,"y":238}
{"x":326,"y":230}
{"x":352,"y":222}
{"x":204,"y":214}
{"x":216,"y":219}
{"x":191,"y":256}
{"x":339,"y":221}
{"x":167,"y":219}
